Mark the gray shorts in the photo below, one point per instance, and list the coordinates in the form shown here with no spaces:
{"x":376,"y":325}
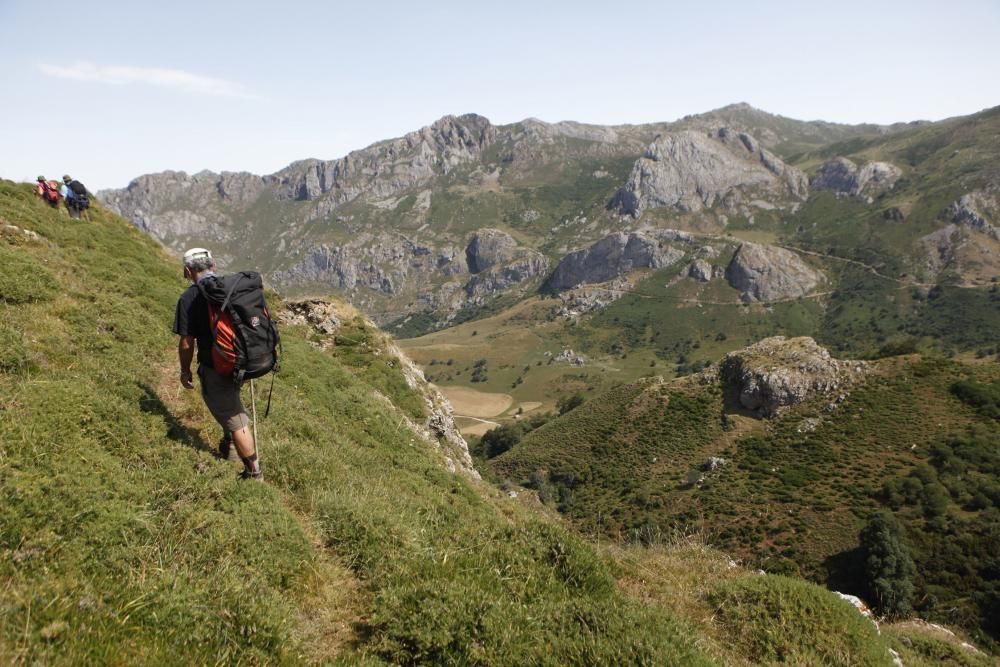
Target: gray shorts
{"x":222,"y":396}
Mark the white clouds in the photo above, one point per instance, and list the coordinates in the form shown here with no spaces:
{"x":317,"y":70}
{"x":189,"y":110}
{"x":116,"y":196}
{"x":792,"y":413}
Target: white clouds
{"x":119,"y":75}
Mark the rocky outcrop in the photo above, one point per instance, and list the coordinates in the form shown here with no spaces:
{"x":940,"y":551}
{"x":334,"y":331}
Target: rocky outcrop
{"x":150,"y":202}
{"x":768,"y":273}
{"x":379,"y":262}
{"x":392,"y":264}
{"x":779,"y":372}
{"x":613,"y":256}
{"x":488,"y":248}
{"x":386,"y":169}
{"x":700,"y":270}
{"x":845,"y":177}
{"x":691,"y":170}
{"x":498,"y":263}
{"x":968,"y":247}
{"x":975,"y":210}
{"x":524,"y":268}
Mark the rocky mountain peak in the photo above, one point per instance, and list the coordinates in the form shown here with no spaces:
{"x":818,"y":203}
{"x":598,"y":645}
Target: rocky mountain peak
{"x":690,"y":170}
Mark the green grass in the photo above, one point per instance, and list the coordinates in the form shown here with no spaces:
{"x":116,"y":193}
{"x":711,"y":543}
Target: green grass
{"x":779,"y":620}
{"x":124,"y":540}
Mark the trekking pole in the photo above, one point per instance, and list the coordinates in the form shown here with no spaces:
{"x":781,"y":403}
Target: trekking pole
{"x":253,"y":411}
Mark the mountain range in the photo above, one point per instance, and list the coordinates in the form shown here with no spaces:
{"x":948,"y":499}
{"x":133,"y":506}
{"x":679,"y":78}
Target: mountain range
{"x":446,"y":219}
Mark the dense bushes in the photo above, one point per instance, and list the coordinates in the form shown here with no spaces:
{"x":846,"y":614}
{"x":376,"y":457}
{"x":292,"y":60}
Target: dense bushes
{"x":983,"y":397}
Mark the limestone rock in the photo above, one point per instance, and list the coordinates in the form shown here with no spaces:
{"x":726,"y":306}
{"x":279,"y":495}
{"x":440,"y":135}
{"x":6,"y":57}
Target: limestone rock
{"x":691,"y":170}
{"x":700,"y":270}
{"x":489,"y":247}
{"x":571,"y":357}
{"x":845,"y":177}
{"x":779,"y":372}
{"x":613,"y":256}
{"x":975,"y":210}
{"x":894,"y":213}
{"x":768,"y":273}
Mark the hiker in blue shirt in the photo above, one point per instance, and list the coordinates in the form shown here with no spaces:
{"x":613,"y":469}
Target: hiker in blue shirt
{"x":75,"y":194}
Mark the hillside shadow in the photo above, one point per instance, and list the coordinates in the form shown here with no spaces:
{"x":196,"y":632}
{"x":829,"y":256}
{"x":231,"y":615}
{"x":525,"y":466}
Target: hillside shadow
{"x":731,"y":402}
{"x":844,"y":572}
{"x":150,"y":403}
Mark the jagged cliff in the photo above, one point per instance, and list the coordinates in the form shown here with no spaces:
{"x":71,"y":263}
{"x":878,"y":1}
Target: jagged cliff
{"x":446,"y":218}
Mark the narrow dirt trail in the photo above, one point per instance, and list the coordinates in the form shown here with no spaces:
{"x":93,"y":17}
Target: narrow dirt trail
{"x":331,"y":603}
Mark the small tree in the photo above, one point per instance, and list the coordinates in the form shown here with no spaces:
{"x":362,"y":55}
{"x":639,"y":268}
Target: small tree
{"x":567,"y":403}
{"x":889,"y":568}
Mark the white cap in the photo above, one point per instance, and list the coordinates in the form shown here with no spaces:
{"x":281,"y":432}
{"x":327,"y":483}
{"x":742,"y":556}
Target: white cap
{"x":196,"y":253}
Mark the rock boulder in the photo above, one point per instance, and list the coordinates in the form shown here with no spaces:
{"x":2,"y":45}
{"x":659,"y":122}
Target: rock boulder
{"x":611,"y":257}
{"x":768,"y":273}
{"x":779,"y":372}
{"x":845,"y":177}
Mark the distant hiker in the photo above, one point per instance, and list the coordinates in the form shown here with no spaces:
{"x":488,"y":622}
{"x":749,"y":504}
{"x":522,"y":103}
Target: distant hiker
{"x":76,"y":196}
{"x":48,"y":191}
{"x":227,"y":319}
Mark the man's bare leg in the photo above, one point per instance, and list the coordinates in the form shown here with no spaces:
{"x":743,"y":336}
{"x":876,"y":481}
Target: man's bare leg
{"x":246,"y":448}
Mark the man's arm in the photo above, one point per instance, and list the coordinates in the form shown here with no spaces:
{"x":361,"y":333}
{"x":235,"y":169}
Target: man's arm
{"x":185,"y":354}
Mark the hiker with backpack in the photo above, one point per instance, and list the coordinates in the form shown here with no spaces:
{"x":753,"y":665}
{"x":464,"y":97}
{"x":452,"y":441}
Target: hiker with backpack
{"x":76,"y":196}
{"x":48,"y":191}
{"x":227,"y":320}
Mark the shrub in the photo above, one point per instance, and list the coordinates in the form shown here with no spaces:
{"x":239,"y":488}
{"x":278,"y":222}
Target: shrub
{"x":888,"y":566}
{"x":567,"y":403}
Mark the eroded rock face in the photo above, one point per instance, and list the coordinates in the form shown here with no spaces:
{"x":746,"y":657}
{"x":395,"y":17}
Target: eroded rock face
{"x":845,"y":177}
{"x":149,"y":202}
{"x":768,"y":273}
{"x":391,"y":264}
{"x":612,"y":256}
{"x":691,"y":170}
{"x":525,"y":267}
{"x":978,"y":211}
{"x":488,"y":248}
{"x":969,"y":245}
{"x":391,"y":167}
{"x":779,"y":372}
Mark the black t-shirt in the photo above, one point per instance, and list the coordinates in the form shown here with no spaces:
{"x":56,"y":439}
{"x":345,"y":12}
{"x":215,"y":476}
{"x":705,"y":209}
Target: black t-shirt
{"x":191,"y":319}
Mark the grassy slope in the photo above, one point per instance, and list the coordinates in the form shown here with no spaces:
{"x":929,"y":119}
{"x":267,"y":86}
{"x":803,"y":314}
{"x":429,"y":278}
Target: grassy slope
{"x":124,"y":540}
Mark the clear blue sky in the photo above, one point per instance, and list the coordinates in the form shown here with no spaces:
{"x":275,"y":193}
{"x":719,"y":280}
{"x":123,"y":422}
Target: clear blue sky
{"x":125,"y":88}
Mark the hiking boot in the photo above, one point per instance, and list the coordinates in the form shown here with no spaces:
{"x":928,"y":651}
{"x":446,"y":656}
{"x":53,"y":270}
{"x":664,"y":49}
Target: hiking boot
{"x":258,"y":476}
{"x":225,"y":447}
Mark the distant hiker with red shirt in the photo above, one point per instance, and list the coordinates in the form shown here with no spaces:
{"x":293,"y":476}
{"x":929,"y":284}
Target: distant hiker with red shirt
{"x":48,"y":191}
{"x":221,"y":393}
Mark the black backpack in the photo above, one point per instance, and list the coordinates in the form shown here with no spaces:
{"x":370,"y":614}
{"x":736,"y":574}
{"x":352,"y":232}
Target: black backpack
{"x":80,"y":200}
{"x":245,"y":338}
